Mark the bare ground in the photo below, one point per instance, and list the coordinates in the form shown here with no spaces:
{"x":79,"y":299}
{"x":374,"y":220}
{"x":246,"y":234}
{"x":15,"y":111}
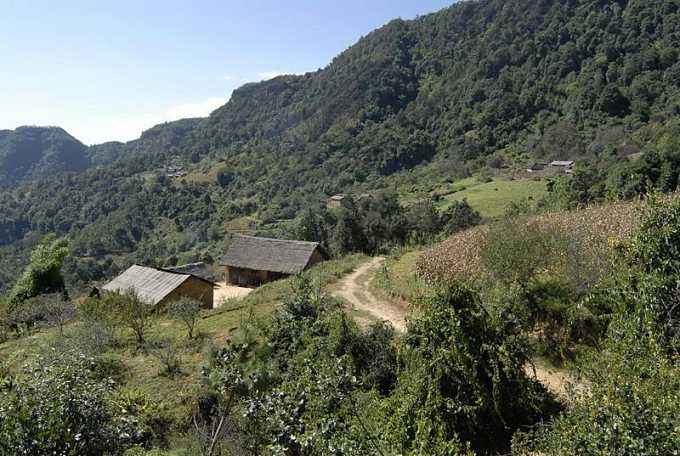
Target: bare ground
{"x":224,"y":292}
{"x":355,"y":291}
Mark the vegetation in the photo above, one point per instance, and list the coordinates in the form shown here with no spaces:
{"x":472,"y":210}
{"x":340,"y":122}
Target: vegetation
{"x":410,"y":105}
{"x":412,"y":123}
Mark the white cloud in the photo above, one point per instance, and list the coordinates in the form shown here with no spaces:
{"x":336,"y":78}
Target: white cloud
{"x":128,"y":128}
{"x":228,"y":77}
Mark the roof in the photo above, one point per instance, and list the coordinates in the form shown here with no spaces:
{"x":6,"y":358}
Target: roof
{"x":274,"y":255}
{"x":198,"y":270}
{"x":337,"y":197}
{"x":151,"y":285}
{"x":562,"y":163}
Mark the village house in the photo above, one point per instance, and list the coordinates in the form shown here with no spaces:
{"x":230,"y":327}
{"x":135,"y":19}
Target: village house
{"x":159,"y":287}
{"x":335,"y":201}
{"x":252,"y":261}
{"x":566,"y":166}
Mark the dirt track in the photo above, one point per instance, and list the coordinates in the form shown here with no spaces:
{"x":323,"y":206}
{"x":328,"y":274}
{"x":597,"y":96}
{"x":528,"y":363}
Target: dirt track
{"x":354,"y":289}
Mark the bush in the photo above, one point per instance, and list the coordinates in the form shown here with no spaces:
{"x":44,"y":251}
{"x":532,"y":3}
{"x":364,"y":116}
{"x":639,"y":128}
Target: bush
{"x":186,"y":310}
{"x":58,"y":407}
{"x":166,"y":352}
{"x":463,"y":386}
{"x":515,"y":251}
{"x":100,"y":324}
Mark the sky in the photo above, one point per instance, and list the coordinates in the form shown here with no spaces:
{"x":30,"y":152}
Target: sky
{"x":107,"y":70}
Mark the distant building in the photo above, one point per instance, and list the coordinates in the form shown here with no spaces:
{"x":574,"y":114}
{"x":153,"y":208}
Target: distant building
{"x":335,"y":201}
{"x":564,"y":165}
{"x":200,"y":269}
{"x":535,"y":167}
{"x":159,"y":287}
{"x":253,"y":261}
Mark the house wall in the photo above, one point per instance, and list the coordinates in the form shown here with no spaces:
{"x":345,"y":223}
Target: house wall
{"x":192,"y":288}
{"x":249,"y":277}
{"x":316,"y":257}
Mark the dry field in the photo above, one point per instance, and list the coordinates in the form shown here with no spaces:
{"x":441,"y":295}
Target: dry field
{"x":600,"y":228}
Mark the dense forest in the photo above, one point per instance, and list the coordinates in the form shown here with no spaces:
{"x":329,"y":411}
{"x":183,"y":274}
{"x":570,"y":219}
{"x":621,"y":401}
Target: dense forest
{"x":479,"y":85}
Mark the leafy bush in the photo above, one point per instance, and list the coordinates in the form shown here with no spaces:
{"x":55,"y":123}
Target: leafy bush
{"x":58,"y":407}
{"x":187,"y":311}
{"x":462,"y":386}
{"x":134,"y":313}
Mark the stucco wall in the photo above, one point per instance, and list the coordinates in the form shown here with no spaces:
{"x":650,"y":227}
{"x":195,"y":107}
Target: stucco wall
{"x":192,"y":288}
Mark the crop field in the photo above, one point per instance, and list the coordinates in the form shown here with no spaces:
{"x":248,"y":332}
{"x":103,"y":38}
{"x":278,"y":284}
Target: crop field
{"x":600,"y":228}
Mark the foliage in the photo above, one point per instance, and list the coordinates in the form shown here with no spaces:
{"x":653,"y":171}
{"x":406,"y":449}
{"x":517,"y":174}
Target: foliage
{"x":462,"y":386}
{"x":59,"y":407}
{"x":43,"y":274}
{"x":187,"y":311}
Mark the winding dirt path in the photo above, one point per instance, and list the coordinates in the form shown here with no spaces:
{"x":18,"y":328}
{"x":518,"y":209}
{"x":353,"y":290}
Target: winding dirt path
{"x":355,"y":291}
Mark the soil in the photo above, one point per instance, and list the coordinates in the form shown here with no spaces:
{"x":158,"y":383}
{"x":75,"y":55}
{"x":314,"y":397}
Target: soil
{"x":355,"y":291}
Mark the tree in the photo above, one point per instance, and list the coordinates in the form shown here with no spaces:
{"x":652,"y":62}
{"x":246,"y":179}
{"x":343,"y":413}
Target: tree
{"x":56,"y":310}
{"x":43,"y":273}
{"x":463,"y":385}
{"x":134,"y":313}
{"x":459,"y":216}
{"x":186,"y":310}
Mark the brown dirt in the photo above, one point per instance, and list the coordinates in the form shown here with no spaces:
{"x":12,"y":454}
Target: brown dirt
{"x":355,"y":291}
{"x":224,"y":292}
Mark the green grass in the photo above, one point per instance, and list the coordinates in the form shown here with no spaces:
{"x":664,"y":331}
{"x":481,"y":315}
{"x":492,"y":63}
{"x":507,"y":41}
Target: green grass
{"x":493,"y":198}
{"x":143,"y":372}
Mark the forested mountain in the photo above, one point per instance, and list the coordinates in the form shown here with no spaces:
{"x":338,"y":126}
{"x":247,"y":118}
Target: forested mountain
{"x":517,"y":79}
{"x":38,"y":152}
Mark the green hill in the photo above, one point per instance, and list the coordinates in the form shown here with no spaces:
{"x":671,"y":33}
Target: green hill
{"x":487,"y":84}
{"x":38,"y":152}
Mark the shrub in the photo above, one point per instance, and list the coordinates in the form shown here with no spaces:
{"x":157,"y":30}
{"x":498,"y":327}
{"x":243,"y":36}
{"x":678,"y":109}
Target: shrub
{"x":100,"y":324}
{"x":463,"y":386}
{"x":186,"y":310}
{"x":58,"y":407}
{"x":515,"y":251}
{"x":166,"y":352}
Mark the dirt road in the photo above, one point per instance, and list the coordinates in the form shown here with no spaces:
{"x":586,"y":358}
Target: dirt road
{"x":355,"y":291}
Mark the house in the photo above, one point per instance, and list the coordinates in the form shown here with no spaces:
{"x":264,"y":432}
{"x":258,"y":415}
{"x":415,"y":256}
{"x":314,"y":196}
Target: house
{"x":335,"y":201}
{"x":200,"y":269}
{"x":536,"y":166}
{"x":158,"y":287}
{"x":566,"y":165}
{"x":253,"y":261}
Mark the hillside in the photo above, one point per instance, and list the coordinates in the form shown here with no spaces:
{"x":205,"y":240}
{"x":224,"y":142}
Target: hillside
{"x":38,"y":152}
{"x":480,"y":87}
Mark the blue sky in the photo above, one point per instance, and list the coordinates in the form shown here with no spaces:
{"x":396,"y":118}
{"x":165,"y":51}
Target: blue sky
{"x":106,"y":70}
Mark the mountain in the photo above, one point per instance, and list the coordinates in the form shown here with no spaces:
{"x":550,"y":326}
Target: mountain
{"x":480,"y":84}
{"x":38,"y":152}
{"x":162,"y":140}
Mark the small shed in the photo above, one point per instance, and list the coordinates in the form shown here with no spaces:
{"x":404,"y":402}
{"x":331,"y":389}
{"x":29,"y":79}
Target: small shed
{"x":335,"y":201}
{"x":158,"y":287}
{"x":566,"y":165}
{"x":252,"y":261}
